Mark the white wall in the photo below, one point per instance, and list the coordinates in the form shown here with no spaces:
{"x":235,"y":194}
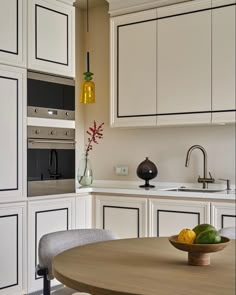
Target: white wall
{"x":166,"y":146}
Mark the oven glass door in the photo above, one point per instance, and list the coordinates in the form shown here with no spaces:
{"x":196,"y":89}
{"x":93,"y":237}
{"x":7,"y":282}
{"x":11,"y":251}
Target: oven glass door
{"x":50,"y":167}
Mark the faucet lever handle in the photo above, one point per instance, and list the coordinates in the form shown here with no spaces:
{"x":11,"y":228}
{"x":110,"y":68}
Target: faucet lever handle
{"x":210,"y":175}
{"x":227,"y":183}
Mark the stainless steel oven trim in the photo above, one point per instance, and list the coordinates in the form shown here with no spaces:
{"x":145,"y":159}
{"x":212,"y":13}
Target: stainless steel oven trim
{"x":49,"y":78}
{"x":51,"y":144}
{"x":50,"y":113}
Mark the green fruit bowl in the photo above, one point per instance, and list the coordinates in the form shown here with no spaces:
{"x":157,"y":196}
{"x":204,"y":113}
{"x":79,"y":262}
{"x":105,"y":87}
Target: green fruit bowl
{"x":198,"y":254}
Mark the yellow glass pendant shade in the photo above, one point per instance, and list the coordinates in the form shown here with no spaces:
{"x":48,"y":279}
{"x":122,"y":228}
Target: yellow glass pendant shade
{"x":87,"y":94}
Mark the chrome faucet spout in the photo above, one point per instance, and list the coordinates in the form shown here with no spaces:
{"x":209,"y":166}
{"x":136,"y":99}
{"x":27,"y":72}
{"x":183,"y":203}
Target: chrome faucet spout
{"x":204,"y":179}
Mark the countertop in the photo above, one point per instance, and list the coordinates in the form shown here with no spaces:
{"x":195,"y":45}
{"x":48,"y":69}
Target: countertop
{"x":160,"y":189}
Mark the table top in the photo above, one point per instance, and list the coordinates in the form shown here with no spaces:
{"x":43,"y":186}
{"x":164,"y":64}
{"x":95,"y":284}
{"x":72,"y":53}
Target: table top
{"x":150,"y":266}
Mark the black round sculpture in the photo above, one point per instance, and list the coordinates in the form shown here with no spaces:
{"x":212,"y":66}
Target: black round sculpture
{"x":147,"y":170}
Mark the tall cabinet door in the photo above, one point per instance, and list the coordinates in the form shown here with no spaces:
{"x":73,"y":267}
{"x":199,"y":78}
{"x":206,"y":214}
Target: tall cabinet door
{"x":13,"y":32}
{"x":223,"y":61}
{"x":133,"y":69}
{"x":51,"y":37}
{"x":184,"y":63}
{"x":13,"y":248}
{"x":44,"y":217}
{"x":12,"y":106}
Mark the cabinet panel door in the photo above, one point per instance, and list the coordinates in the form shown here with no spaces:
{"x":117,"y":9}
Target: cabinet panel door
{"x":223,"y":215}
{"x":51,"y":37}
{"x":12,"y":104}
{"x":45,"y":217}
{"x":133,"y":72}
{"x":223,"y":62}
{"x":169,"y":217}
{"x":184,"y":64}
{"x":126,"y":217}
{"x":12,"y":249}
{"x":13,"y":32}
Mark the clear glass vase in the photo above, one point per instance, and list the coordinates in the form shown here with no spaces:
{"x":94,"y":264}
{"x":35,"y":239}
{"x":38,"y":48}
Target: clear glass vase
{"x":85,"y":172}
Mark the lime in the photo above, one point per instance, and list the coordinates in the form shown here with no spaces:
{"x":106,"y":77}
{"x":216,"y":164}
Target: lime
{"x":202,"y":227}
{"x":210,"y":236}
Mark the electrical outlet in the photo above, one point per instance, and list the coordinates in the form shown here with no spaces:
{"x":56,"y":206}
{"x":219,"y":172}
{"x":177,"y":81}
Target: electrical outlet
{"x":122,"y":170}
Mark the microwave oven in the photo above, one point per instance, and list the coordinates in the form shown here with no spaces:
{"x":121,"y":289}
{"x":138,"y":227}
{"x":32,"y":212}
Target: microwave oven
{"x":51,"y":97}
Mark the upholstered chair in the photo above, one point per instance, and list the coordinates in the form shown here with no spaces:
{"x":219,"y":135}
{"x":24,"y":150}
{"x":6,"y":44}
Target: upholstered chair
{"x":228,"y":232}
{"x":54,"y":243}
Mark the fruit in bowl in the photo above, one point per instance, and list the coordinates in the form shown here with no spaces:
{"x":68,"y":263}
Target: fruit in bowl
{"x":201,"y":234}
{"x":199,"y":242}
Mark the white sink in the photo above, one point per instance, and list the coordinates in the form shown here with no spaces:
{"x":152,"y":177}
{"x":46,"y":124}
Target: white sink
{"x":196,"y":190}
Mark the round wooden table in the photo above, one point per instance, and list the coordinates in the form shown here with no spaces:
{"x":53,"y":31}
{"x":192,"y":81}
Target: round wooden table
{"x":150,"y":266}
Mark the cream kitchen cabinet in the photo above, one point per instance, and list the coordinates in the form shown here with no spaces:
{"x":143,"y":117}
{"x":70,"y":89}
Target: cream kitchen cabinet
{"x":126,"y":216}
{"x":84,"y":211}
{"x":13,"y":32}
{"x":133,"y":69}
{"x":223,"y":61}
{"x":186,"y":74}
{"x":184,"y":64}
{"x":13,"y":248}
{"x":12,"y":130}
{"x":168,"y":217}
{"x":223,"y":214}
{"x":51,"y":34}
{"x":45,"y":216}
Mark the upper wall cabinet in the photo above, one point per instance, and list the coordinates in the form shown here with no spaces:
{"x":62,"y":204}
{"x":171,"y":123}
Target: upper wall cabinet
{"x":174,"y":65}
{"x":13,"y":32}
{"x":51,"y":37}
{"x":133,"y":69}
{"x":223,"y":61}
{"x":184,"y":64}
{"x":12,"y":130}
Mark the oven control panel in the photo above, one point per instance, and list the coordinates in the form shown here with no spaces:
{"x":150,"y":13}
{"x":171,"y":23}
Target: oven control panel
{"x":50,"y":133}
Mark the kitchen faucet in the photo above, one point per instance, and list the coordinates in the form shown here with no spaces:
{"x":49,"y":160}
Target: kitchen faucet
{"x":205,"y":180}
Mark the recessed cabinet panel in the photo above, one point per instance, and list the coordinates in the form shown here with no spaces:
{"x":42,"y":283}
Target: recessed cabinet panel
{"x":9,"y":133}
{"x":12,"y":105}
{"x":13,"y":32}
{"x":125,"y":216}
{"x":52,"y":41}
{"x":8,"y":21}
{"x":51,"y":37}
{"x":45,"y":217}
{"x":9,"y":250}
{"x":185,"y":219}
{"x":223,"y":215}
{"x":133,"y":69}
{"x":170,"y":216}
{"x":223,"y":62}
{"x":184,"y":66}
{"x":136,"y":88}
{"x":13,"y":248}
{"x":111,"y":220}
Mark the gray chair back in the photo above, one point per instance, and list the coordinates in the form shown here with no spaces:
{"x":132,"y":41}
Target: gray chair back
{"x":228,"y":232}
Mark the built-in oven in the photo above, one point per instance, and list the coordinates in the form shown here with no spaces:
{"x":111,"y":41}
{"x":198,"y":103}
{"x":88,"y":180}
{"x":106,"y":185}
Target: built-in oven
{"x":50,"y":96}
{"x":50,"y":160}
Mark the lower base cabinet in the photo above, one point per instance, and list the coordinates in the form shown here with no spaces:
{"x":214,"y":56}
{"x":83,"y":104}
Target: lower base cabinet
{"x":125,"y":216}
{"x":13,"y":248}
{"x":44,"y":217}
{"x":223,"y":214}
{"x":168,"y":217}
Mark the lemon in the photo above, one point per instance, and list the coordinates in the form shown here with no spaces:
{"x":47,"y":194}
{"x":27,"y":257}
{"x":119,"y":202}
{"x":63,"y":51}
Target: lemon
{"x":186,"y":236}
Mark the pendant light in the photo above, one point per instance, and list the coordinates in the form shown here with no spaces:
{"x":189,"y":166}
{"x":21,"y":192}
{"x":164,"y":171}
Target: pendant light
{"x":87,"y":94}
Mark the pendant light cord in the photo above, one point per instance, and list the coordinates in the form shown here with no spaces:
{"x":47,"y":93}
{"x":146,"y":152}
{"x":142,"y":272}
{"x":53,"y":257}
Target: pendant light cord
{"x":87,"y":16}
